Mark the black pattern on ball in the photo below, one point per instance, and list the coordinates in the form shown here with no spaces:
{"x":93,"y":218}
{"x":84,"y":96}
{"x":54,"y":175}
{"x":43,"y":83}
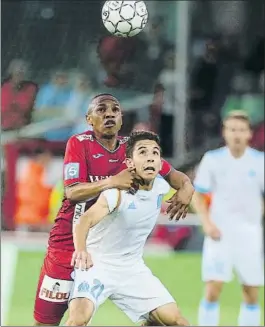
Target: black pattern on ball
{"x":124,"y":18}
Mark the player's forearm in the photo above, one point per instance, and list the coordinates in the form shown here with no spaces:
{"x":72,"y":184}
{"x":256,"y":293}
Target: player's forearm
{"x":88,"y":220}
{"x":80,"y":236}
{"x":81,"y":230}
{"x":83,"y":191}
{"x":200,"y":206}
{"x":178,"y":180}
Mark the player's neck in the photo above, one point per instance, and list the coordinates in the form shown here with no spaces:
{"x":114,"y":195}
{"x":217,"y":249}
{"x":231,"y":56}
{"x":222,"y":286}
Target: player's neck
{"x":108,"y":142}
{"x":146,"y":186}
{"x":237,"y":153}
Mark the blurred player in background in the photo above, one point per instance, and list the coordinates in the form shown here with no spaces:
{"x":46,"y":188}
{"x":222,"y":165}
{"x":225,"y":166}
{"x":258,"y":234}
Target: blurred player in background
{"x":234,"y":175}
{"x":109,"y":243}
{"x":94,"y":162}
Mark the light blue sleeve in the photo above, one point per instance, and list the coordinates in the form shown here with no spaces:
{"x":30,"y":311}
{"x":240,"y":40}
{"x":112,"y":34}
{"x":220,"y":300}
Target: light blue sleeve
{"x":203,"y":180}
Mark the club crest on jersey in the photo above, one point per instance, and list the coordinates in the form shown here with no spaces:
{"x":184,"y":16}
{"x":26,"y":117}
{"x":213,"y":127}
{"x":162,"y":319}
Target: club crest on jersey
{"x":97,"y":155}
{"x":252,"y":173}
{"x":84,"y":137}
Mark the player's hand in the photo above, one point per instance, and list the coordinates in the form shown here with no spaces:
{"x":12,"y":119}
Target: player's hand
{"x":124,"y":180}
{"x":179,"y":203}
{"x":81,"y":260}
{"x":211,"y":230}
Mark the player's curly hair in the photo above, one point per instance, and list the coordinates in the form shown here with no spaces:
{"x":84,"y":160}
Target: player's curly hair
{"x":137,"y":136}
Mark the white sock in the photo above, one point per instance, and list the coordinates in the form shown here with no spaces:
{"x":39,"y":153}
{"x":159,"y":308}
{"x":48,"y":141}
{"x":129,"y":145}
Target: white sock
{"x":249,"y":315}
{"x":208,"y":313}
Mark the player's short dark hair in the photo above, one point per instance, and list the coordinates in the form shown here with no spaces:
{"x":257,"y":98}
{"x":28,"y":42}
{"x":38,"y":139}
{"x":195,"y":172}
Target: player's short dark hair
{"x":137,"y":136}
{"x":90,"y":107}
{"x":102,"y":94}
{"x":239,"y":115}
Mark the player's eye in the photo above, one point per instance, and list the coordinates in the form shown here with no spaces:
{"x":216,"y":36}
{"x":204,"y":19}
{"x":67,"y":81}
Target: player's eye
{"x":156,"y":153}
{"x":116,"y":109}
{"x":142,"y":152}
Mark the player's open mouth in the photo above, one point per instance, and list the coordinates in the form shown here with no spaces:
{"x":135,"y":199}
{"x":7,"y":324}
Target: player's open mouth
{"x":149,"y":169}
{"x":110,"y":123}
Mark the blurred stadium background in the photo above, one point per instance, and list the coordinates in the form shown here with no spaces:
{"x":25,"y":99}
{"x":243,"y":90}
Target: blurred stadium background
{"x":195,"y":62}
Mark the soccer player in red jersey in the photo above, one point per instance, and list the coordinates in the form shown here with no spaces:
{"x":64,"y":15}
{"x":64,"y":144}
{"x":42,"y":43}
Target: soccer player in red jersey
{"x":94,"y":162}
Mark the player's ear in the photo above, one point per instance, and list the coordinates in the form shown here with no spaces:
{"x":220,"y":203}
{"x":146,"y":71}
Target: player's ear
{"x":129,"y":163}
{"x":121,"y":121}
{"x":250,"y":134}
{"x":89,"y":120}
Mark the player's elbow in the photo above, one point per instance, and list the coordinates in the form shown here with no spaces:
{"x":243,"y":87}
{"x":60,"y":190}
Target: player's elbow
{"x":71,"y":193}
{"x":177,"y":180}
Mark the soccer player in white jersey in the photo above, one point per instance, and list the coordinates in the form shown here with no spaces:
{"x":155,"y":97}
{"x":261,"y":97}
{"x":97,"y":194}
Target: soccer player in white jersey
{"x":109,"y":242}
{"x":234,"y":176}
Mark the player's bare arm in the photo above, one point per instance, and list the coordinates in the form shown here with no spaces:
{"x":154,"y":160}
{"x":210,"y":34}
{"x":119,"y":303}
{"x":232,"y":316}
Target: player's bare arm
{"x":81,"y":258}
{"x":200,"y":205}
{"x":84,"y":191}
{"x":180,"y":201}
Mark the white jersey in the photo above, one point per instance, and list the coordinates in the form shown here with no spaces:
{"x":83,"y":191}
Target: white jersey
{"x":236,"y":187}
{"x":120,"y":237}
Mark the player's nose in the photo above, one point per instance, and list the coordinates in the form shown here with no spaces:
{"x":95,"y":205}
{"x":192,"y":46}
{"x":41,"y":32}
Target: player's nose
{"x":109,"y":113}
{"x":150,"y":159}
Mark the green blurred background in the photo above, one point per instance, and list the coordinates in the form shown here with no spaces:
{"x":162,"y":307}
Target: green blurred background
{"x":179,"y":272}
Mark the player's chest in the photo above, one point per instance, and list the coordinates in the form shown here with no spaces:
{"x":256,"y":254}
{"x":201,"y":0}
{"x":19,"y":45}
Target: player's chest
{"x":237,"y":175}
{"x":140,"y":213}
{"x":102,"y":163}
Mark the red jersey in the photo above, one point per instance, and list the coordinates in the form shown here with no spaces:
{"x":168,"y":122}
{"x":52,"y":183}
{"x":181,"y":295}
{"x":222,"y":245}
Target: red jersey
{"x":86,"y":160}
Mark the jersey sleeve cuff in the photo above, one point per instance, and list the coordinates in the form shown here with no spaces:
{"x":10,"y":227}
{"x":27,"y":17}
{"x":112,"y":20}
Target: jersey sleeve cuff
{"x":73,"y":181}
{"x":167,"y":173}
{"x":200,"y":189}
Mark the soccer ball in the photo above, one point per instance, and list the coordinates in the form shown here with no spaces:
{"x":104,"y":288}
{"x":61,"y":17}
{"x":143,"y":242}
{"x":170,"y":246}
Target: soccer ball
{"x":124,"y":18}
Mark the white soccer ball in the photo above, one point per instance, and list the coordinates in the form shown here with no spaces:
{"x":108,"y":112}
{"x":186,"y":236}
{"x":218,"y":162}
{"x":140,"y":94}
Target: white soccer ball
{"x":124,"y":18}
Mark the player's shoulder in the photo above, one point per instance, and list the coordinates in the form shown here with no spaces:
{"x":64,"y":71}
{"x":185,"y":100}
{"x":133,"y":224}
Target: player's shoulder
{"x":123,"y":139}
{"x":161,"y":185}
{"x":86,"y":136}
{"x":216,"y":153}
{"x":256,"y":153}
{"x":213,"y":158}
{"x":113,"y":198}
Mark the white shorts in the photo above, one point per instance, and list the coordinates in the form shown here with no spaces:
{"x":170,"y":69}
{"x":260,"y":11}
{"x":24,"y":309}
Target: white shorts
{"x":243,"y":254}
{"x":136,"y":295}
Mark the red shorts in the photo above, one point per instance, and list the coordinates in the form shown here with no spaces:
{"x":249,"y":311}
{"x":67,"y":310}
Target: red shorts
{"x":54,"y":287}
